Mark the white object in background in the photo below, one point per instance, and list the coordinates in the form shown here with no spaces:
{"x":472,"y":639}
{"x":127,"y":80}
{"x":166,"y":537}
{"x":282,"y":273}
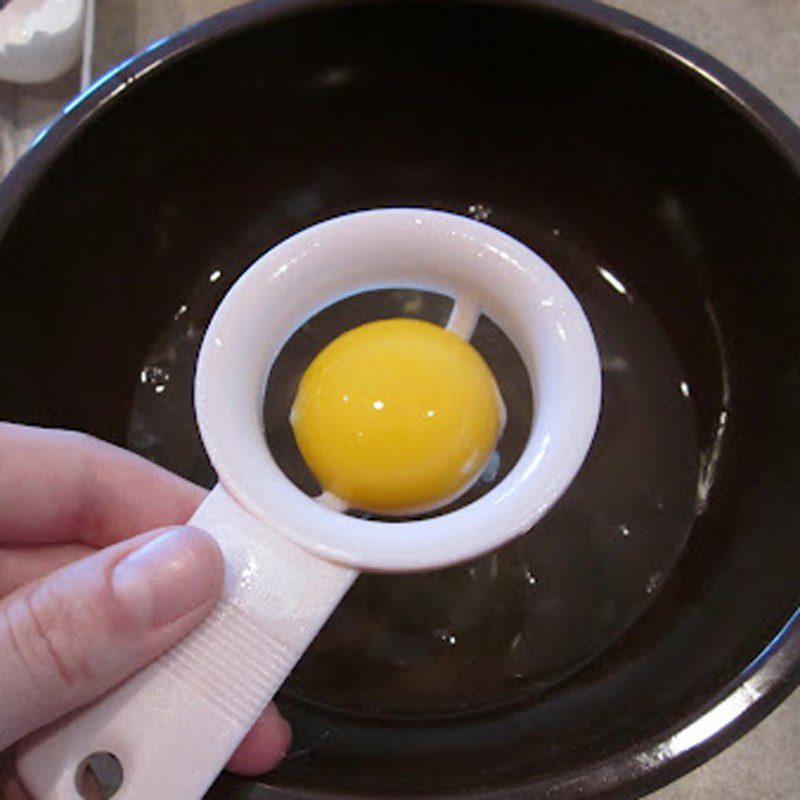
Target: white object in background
{"x":289,"y":558}
{"x":87,"y":57}
{"x":40,"y":39}
{"x":17,"y":126}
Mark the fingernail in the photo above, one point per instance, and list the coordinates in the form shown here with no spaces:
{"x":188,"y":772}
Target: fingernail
{"x":167,"y":578}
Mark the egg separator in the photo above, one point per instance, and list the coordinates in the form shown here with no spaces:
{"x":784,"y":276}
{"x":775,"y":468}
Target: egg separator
{"x":290,"y":559}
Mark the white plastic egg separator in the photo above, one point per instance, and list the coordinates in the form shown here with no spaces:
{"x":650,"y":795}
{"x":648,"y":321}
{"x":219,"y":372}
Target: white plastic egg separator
{"x":290,"y":559}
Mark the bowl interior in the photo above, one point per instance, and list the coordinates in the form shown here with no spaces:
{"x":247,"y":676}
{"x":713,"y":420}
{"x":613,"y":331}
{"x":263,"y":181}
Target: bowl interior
{"x":673,"y":560}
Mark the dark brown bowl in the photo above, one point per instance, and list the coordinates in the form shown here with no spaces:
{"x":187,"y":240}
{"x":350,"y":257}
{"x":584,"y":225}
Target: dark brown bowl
{"x":601,"y":142}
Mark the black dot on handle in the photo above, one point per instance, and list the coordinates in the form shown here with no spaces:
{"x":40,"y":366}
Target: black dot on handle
{"x":99,"y":776}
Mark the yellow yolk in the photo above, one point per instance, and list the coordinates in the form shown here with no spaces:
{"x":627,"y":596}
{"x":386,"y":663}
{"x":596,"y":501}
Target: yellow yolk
{"x":397,"y":416}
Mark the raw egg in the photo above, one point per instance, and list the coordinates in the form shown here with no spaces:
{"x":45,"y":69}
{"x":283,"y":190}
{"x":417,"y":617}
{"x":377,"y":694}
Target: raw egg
{"x":397,"y":416}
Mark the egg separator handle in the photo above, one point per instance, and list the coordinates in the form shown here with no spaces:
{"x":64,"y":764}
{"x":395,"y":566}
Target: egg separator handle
{"x":174,"y":725}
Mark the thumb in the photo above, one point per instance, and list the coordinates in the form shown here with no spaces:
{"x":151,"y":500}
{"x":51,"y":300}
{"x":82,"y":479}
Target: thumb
{"x":70,"y":637}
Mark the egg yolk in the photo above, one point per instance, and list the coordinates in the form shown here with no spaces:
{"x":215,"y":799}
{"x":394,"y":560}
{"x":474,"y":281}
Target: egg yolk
{"x":397,"y":416}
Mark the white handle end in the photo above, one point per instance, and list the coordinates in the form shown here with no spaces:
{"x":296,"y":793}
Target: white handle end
{"x":175,"y":724}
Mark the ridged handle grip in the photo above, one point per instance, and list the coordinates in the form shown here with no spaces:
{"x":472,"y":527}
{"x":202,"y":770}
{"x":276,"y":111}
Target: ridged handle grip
{"x":175,"y":724}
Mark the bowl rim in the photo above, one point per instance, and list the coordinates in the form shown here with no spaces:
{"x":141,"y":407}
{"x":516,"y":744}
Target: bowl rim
{"x":775,"y":671}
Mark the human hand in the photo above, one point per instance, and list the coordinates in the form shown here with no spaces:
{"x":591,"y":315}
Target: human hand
{"x":86,"y":598}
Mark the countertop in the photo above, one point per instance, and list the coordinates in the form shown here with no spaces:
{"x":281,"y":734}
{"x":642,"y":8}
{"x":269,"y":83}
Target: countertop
{"x":758,"y":38}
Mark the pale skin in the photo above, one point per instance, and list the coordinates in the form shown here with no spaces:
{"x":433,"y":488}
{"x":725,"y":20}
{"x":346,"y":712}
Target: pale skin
{"x":73,"y":621}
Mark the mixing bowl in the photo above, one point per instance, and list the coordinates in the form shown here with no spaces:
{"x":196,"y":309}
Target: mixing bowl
{"x":651,"y":618}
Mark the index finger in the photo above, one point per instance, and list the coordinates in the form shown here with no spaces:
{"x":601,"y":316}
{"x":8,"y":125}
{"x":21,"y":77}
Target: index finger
{"x":60,"y":486}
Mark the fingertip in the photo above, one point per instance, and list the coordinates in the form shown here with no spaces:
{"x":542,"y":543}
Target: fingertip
{"x":173,"y":574}
{"x":265,"y":745}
